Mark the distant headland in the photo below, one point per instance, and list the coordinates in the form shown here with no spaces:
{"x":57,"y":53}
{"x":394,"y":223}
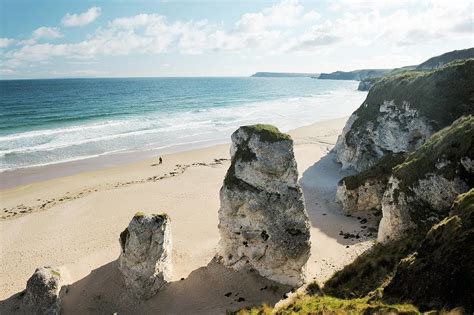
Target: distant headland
{"x":284,"y":74}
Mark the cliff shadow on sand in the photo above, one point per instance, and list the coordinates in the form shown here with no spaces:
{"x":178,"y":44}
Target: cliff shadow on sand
{"x":319,"y":185}
{"x":211,"y":289}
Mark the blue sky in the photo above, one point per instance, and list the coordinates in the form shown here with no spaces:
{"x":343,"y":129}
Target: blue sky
{"x":45,"y":39}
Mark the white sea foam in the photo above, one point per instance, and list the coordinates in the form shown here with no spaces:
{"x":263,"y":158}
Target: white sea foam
{"x":165,"y":130}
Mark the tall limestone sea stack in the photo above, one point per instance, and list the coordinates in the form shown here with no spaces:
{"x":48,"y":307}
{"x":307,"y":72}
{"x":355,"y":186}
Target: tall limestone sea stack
{"x":262,"y":220}
{"x":145,"y":260}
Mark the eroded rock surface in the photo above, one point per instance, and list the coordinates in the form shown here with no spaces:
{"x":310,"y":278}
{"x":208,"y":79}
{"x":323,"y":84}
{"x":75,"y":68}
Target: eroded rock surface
{"x":421,"y":190}
{"x":262,"y":220}
{"x":402,"y":111}
{"x":42,"y":292}
{"x":438,"y":275}
{"x":145,"y":260}
{"x":364,"y":191}
{"x":396,"y":129}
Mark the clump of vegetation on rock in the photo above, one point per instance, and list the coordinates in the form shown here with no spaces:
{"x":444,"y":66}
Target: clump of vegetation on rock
{"x":441,"y":96}
{"x":440,"y":273}
{"x":371,"y":269}
{"x":331,"y":305}
{"x":267,"y":133}
{"x":381,"y":171}
{"x":449,"y":144}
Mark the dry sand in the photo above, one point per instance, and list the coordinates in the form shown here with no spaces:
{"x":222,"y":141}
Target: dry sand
{"x":74,"y":222}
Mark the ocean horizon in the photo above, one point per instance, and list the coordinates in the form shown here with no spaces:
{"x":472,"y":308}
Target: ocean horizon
{"x":51,"y":121}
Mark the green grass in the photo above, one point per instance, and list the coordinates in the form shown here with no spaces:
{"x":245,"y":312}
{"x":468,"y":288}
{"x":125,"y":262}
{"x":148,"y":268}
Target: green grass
{"x":267,"y":133}
{"x":381,"y":171}
{"x":463,"y":205}
{"x":330,"y":305}
{"x":451,"y":144}
{"x":371,"y":269}
{"x":55,"y":273}
{"x":447,"y":57}
{"x":441,"y":95}
{"x":139,"y":214}
{"x":440,"y":273}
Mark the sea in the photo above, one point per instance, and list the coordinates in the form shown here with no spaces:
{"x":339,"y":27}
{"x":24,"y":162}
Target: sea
{"x":44,"y":122}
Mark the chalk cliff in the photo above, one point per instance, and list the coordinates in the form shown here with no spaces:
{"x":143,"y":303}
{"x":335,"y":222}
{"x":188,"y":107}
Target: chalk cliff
{"x":421,"y":189}
{"x":401,"y":112}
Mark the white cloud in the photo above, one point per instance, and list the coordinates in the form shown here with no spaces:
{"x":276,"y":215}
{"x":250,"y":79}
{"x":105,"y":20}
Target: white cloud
{"x":7,"y":71}
{"x":5,"y":42}
{"x":81,"y":19}
{"x":432,"y":21}
{"x":47,"y":32}
{"x":283,"y":28}
{"x":371,"y":4}
{"x":287,"y":13}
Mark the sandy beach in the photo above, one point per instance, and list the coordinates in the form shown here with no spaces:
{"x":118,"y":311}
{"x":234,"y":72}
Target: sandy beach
{"x":74,"y":223}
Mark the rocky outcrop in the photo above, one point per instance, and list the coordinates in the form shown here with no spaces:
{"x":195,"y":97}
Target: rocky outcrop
{"x":42,"y":292}
{"x":366,"y":84}
{"x":395,"y":130}
{"x":422,"y":189}
{"x":145,"y":260}
{"x":402,"y":111}
{"x":364,"y":191}
{"x":354,"y":75}
{"x":365,"y":197}
{"x":262,"y":220}
{"x":439,"y":274}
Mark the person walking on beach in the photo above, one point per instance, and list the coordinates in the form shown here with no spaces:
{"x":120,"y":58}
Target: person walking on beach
{"x":161,"y":160}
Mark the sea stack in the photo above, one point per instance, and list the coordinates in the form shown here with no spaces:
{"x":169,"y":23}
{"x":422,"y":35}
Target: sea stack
{"x":145,"y":260}
{"x":42,"y":292}
{"x":262,"y":220}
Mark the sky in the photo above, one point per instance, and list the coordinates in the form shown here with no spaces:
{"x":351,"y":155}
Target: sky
{"x":125,"y":38}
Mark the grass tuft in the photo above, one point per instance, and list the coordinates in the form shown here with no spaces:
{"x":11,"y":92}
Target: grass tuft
{"x":331,"y":305}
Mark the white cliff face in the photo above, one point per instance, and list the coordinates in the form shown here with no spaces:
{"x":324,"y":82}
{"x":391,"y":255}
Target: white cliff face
{"x":262,"y":219}
{"x":395,"y":214}
{"x":42,"y":292}
{"x":396,"y":129}
{"x":344,"y":153}
{"x":439,"y":192}
{"x":400,"y":211}
{"x":145,"y":260}
{"x":362,"y":198}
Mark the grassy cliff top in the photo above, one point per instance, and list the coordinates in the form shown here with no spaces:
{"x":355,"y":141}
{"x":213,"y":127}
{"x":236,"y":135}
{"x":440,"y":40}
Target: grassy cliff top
{"x":439,"y":274}
{"x":450,"y":144}
{"x":441,"y":95}
{"x":464,"y":204}
{"x":267,"y":133}
{"x":437,"y":61}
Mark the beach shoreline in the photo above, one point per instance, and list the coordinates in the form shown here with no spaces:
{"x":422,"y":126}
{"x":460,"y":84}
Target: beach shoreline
{"x":73,"y":222}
